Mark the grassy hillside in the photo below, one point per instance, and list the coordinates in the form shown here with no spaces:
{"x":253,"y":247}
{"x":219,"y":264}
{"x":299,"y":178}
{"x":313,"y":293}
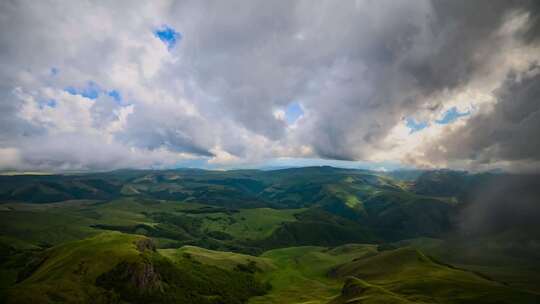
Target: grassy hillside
{"x":255,"y":223}
{"x":379,"y":206}
{"x":116,"y":267}
{"x":301,"y":276}
{"x":68,"y":272}
{"x":511,"y":258}
{"x":225,"y":237}
{"x":406,"y":274}
{"x":220,"y":259}
{"x":112,"y":267}
{"x":52,"y":224}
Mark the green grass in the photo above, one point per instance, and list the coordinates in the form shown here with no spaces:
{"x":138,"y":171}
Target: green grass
{"x":69,"y":271}
{"x":118,"y":268}
{"x":342,"y":206}
{"x":297,"y":274}
{"x":346,"y":193}
{"x":129,"y":211}
{"x":252,"y":224}
{"x":220,"y":259}
{"x":505,"y":258}
{"x":45,"y":227}
{"x":359,"y":291}
{"x":27,"y":225}
{"x":409,"y":274}
{"x":305,"y":274}
{"x":98,"y":253}
{"x":301,"y":273}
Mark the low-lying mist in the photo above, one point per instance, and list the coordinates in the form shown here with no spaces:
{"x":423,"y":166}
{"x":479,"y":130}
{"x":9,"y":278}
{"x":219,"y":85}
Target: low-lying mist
{"x":502,"y":203}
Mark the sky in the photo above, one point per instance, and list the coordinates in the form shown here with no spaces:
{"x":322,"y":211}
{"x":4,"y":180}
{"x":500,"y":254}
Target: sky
{"x":104,"y":85}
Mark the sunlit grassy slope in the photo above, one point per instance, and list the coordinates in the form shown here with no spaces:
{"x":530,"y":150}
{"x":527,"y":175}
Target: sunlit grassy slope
{"x":27,"y":225}
{"x":111,"y":267}
{"x":317,"y":274}
{"x":67,"y":273}
{"x":301,"y":273}
{"x":221,"y":259}
{"x":406,"y":274}
{"x":255,"y":223}
{"x":305,"y":206}
{"x":256,"y":227}
{"x":121,"y":268}
{"x":52,"y":224}
{"x":506,"y":258}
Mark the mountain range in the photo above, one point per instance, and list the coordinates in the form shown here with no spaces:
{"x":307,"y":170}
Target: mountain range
{"x":297,"y":235}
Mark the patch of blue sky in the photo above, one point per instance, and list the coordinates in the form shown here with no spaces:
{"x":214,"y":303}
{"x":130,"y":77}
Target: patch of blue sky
{"x":115,"y":94}
{"x":305,"y":162}
{"x":51,"y":103}
{"x":71,"y":90}
{"x":415,"y":126}
{"x":168,"y":35}
{"x":290,"y":162}
{"x":293,"y":112}
{"x":91,"y":90}
{"x":198,"y":163}
{"x":451,"y":115}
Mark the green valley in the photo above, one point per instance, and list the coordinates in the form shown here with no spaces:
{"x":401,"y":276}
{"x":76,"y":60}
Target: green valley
{"x":306,"y":235}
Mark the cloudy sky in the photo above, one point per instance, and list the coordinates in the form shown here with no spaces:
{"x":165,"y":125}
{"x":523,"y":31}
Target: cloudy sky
{"x":102,"y":85}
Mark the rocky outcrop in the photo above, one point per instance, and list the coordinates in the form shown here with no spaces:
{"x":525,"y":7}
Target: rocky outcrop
{"x":144,"y":276}
{"x":138,"y":277}
{"x":145,"y":244}
{"x":352,"y":288}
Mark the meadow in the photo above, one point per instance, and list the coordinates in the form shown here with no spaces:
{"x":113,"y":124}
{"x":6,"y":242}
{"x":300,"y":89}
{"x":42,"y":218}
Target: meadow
{"x":255,"y":237}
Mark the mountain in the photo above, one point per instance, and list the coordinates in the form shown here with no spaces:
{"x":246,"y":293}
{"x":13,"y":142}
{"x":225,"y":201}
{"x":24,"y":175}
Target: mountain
{"x":294,"y":235}
{"x":114,"y":267}
{"x":406,"y":275}
{"x":348,"y":205}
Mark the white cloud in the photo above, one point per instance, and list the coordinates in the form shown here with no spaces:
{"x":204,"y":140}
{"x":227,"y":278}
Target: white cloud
{"x":9,"y":158}
{"x":222,"y":92}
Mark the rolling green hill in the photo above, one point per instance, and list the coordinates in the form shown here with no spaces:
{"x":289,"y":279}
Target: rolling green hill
{"x":116,"y":267}
{"x":303,"y":235}
{"x":406,"y":275}
{"x":301,"y":273}
{"x":259,"y":209}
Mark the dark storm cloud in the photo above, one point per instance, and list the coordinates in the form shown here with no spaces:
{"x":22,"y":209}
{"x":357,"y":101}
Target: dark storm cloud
{"x":462,"y":42}
{"x":334,"y":63}
{"x":532,"y":33}
{"x":415,"y":54}
{"x":417,"y":61}
{"x":507,"y":133}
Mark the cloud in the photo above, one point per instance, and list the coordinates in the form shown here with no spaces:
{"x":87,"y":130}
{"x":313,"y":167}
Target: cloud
{"x":220,"y":81}
{"x":507,"y":133}
{"x":73,"y":152}
{"x":9,"y":158}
